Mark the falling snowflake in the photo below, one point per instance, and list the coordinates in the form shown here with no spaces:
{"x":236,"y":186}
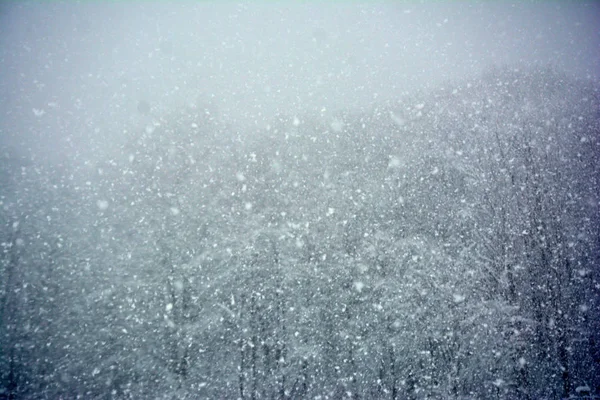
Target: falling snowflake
{"x":102,"y":204}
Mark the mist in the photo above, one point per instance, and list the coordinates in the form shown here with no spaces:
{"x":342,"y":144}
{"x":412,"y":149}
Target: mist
{"x":89,"y":64}
{"x":289,"y":200}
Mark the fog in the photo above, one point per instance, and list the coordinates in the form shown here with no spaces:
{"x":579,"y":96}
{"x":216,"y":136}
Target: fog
{"x":286,"y":200}
{"x":87,"y":65}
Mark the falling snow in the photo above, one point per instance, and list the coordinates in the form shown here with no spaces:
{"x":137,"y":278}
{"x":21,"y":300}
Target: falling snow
{"x":299,"y":201}
{"x":102,"y":204}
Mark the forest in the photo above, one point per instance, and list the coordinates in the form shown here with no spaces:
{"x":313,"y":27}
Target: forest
{"x":445,"y":245}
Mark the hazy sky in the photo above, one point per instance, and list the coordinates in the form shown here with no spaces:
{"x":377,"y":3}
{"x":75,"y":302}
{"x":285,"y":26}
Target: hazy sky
{"x":72,"y":67}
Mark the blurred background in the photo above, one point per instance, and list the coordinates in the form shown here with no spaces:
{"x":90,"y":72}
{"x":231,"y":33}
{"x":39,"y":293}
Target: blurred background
{"x":76,"y":70}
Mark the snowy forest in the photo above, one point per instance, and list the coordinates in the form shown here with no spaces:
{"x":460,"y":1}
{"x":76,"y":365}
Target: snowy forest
{"x":443,"y":245}
{"x":299,"y":200}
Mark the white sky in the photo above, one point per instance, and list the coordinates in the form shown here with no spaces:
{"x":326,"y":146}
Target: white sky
{"x":93,"y":61}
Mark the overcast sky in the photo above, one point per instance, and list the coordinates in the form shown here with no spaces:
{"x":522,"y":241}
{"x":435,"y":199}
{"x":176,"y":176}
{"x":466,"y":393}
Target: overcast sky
{"x":69,"y":67}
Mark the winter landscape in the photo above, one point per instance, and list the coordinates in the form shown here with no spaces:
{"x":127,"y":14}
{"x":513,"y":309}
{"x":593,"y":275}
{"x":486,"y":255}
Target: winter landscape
{"x":299,"y":201}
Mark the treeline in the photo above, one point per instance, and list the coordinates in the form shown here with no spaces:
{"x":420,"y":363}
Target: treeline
{"x":445,"y":246}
